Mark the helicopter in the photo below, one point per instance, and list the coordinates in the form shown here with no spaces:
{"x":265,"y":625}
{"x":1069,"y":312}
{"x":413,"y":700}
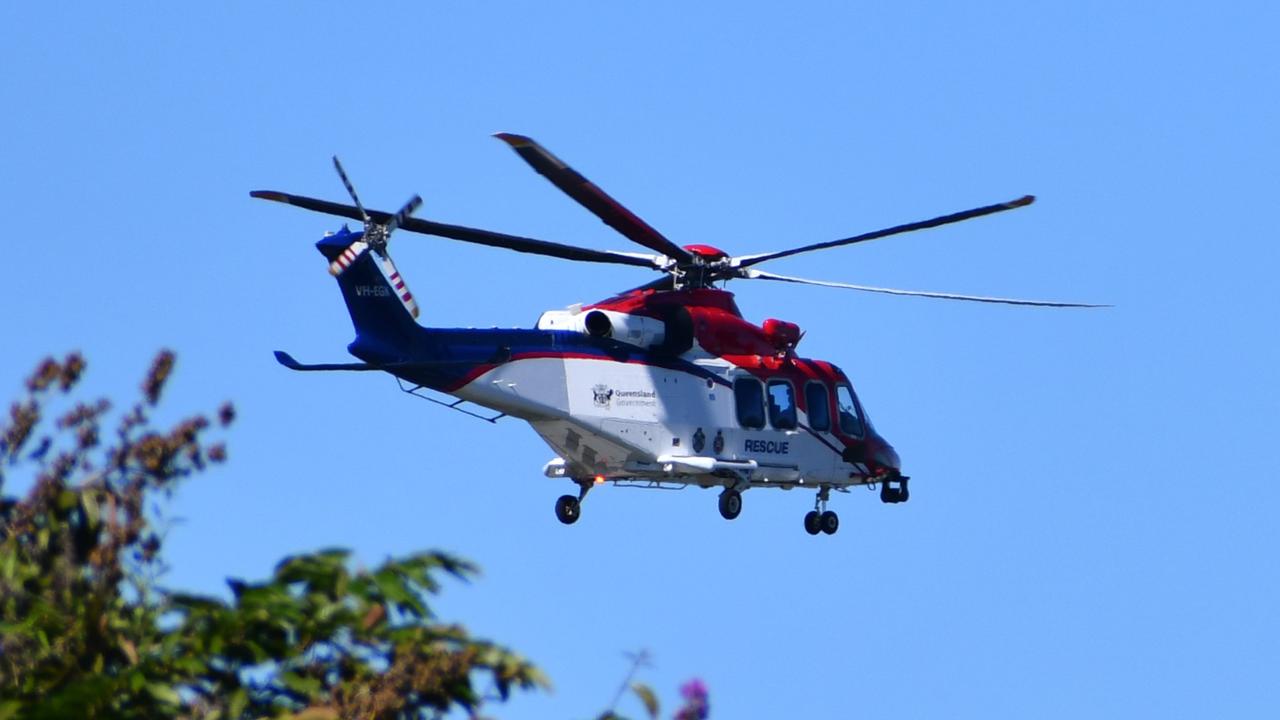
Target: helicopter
{"x":664,"y":385}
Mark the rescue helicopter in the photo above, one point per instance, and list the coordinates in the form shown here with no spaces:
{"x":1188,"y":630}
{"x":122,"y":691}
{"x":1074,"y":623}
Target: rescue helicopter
{"x":663,"y":385}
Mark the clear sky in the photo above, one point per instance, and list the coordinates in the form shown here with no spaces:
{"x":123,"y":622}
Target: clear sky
{"x":1092,"y":529}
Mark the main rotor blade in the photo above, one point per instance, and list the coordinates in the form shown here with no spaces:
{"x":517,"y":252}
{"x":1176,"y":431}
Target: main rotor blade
{"x":762,"y":275}
{"x":588,"y":195}
{"x":749,"y":260}
{"x":460,"y":232}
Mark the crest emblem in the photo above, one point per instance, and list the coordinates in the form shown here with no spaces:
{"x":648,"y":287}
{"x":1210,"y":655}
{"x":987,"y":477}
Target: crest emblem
{"x":603,"y":395}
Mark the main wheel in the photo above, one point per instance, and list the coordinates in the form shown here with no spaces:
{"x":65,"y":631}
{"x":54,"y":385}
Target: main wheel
{"x":830,"y":522}
{"x":730,"y":504}
{"x":812,"y":522}
{"x":568,"y":509}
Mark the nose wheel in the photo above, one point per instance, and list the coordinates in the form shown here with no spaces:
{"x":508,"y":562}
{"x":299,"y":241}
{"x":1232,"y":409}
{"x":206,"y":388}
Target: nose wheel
{"x":820,"y":519}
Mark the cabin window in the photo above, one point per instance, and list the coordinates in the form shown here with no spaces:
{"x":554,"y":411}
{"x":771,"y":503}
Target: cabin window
{"x":850,"y":421}
{"x":782,"y":405}
{"x":749,"y":397}
{"x":815,"y":395}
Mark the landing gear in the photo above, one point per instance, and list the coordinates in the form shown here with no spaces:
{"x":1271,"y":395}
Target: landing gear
{"x":891,"y":494}
{"x":830,"y":522}
{"x":820,"y":519}
{"x":730,"y":503}
{"x":568,"y":509}
{"x":812,"y":522}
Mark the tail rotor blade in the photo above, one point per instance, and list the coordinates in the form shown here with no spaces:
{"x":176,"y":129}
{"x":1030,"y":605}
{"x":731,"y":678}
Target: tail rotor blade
{"x":351,"y":190}
{"x":399,"y":286}
{"x":414,"y":203}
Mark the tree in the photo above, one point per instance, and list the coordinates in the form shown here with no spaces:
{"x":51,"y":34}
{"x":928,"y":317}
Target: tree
{"x":86,"y":633}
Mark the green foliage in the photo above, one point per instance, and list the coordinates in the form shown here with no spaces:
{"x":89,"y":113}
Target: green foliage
{"x":85,"y":633}
{"x":342,"y":644}
{"x":647,"y":697}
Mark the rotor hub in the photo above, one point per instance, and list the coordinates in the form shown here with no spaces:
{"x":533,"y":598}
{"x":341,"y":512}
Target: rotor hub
{"x":706,"y":253}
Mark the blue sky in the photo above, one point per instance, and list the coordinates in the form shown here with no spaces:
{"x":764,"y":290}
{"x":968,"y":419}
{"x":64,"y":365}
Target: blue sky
{"x":1092,"y":524}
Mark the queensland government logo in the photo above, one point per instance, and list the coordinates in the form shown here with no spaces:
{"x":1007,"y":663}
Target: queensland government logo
{"x":603,"y":395}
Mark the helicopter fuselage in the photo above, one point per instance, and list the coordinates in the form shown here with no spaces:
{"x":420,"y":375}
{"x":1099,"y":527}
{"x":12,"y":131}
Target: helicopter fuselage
{"x":656,"y":386}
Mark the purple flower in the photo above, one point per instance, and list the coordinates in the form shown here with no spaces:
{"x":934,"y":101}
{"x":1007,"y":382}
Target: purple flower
{"x":696,"y":706}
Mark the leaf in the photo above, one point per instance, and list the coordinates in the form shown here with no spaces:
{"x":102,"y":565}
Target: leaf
{"x":186,"y":601}
{"x":319,"y":570}
{"x":315,"y":713}
{"x":130,"y":650}
{"x":89,"y":503}
{"x":238,"y":702}
{"x":192,"y":665}
{"x":9,"y":709}
{"x":394,"y":589}
{"x":307,"y":687}
{"x":164,"y":693}
{"x":376,"y":615}
{"x":67,"y":499}
{"x":648,"y":697}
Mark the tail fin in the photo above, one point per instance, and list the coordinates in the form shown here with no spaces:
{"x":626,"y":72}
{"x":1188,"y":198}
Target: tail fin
{"x":382,"y":309}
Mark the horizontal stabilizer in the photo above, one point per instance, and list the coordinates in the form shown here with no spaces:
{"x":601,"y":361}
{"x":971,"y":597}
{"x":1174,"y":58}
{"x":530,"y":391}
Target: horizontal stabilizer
{"x":287,"y":360}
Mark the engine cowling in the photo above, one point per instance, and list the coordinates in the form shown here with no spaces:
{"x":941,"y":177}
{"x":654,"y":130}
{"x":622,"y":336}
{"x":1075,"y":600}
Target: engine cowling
{"x":635,"y":330}
{"x":782,"y":334}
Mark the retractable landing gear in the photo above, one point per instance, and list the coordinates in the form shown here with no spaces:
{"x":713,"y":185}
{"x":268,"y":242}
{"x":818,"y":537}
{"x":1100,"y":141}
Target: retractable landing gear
{"x":568,"y":507}
{"x":891,"y":494}
{"x":820,"y":519}
{"x":730,"y":503}
{"x":812,"y":522}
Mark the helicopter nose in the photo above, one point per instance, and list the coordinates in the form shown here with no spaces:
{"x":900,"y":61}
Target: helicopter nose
{"x":888,"y":457}
{"x":875,"y":452}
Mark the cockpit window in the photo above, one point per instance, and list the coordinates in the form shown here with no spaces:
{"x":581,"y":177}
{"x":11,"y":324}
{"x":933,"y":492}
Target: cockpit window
{"x":749,"y":397}
{"x":850,"y":420}
{"x":815,"y":395}
{"x":782,"y":405}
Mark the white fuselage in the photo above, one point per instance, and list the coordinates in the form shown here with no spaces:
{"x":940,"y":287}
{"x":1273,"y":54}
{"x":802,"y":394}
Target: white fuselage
{"x":620,"y":420}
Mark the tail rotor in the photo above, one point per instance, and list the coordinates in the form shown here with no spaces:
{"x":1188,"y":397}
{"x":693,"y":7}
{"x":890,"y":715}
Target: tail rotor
{"x":375,"y":238}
